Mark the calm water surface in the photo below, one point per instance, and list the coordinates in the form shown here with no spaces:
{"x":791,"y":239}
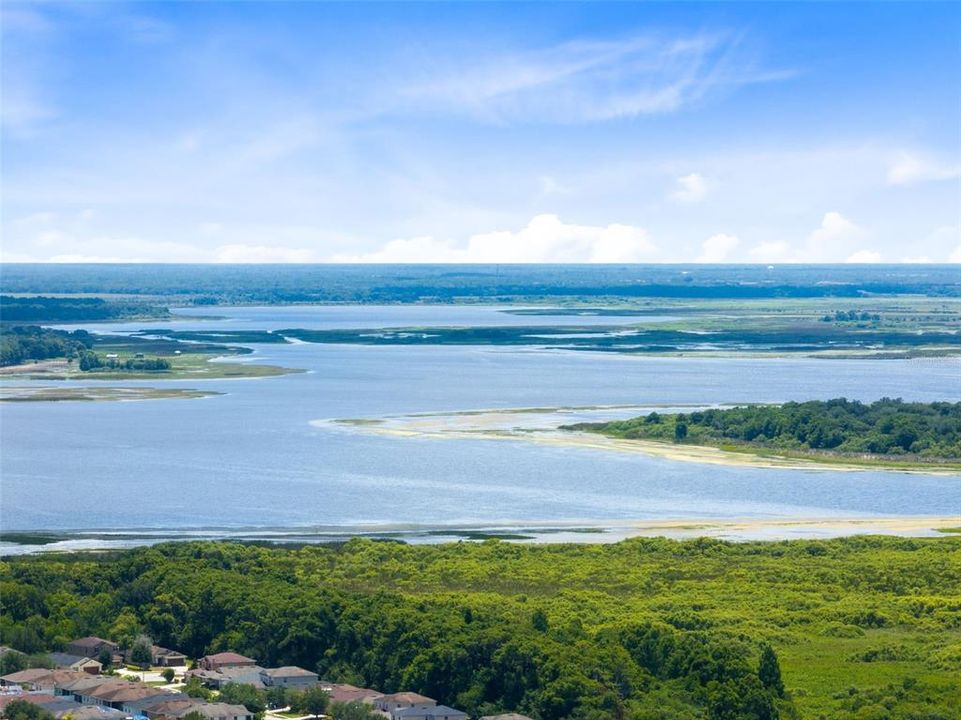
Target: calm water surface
{"x":252,"y":458}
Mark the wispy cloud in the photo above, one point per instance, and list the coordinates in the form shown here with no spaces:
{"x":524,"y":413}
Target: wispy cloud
{"x":912,"y":168}
{"x":690,"y":188}
{"x":590,"y":81}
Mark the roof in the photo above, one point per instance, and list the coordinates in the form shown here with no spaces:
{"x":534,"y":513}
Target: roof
{"x":29,"y":675}
{"x":94,"y":712}
{"x":410,"y":697}
{"x":343,"y":692}
{"x":92,"y":641}
{"x":67,"y":659}
{"x":506,"y":716}
{"x":216,"y":710}
{"x":433,"y":711}
{"x":32,"y":698}
{"x":157,"y":650}
{"x":226,"y":658}
{"x":288,"y":671}
{"x":124,"y":694}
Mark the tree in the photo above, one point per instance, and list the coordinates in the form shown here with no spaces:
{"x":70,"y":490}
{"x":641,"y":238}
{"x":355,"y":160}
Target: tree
{"x":352,"y":711}
{"x":168,"y":674}
{"x":22,"y":710}
{"x":105,"y":657}
{"x":313,"y":701}
{"x":539,"y":620}
{"x":680,"y":431}
{"x":276,"y":696}
{"x":247,"y":695}
{"x":140,"y":654}
{"x":769,"y":671}
{"x":195,"y":689}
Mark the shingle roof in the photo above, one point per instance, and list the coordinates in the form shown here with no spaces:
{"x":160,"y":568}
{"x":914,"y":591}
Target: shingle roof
{"x":228,"y":657}
{"x":66,"y":659}
{"x":30,"y":675}
{"x":506,"y":716}
{"x":288,"y":671}
{"x":410,"y":697}
{"x":343,"y":692}
{"x":92,"y":641}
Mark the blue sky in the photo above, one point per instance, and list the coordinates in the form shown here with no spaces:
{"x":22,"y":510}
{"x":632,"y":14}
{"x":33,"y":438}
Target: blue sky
{"x":469,"y":132}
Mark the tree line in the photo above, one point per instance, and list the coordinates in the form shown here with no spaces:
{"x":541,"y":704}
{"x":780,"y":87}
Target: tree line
{"x":642,"y":629}
{"x":888,"y":427}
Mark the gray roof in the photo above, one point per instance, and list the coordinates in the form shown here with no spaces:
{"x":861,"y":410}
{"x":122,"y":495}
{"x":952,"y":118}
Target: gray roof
{"x":435,"y":711}
{"x":288,"y":671}
{"x":67,"y":659}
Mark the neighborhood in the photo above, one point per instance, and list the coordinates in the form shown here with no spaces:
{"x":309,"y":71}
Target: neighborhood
{"x":81,"y":683}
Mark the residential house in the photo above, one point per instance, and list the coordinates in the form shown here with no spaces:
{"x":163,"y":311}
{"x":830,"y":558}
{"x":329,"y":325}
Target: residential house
{"x":433,"y":712}
{"x":218,"y":711}
{"x":506,"y":716}
{"x":398,"y":701}
{"x":79,"y":663}
{"x":32,"y":698}
{"x":32,"y":678}
{"x":92,"y":646}
{"x":216,"y":679}
{"x":288,"y":676}
{"x":343,"y":692}
{"x":164,"y":657}
{"x":222,"y":660}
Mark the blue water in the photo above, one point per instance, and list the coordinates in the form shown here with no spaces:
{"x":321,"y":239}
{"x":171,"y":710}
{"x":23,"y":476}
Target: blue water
{"x":252,"y":458}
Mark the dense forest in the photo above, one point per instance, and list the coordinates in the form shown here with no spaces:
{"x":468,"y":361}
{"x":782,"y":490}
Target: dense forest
{"x":25,"y":343}
{"x":646,"y":628}
{"x":54,"y":309}
{"x":886,"y":427}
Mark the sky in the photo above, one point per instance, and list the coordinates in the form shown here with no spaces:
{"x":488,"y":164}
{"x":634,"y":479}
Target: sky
{"x":474,"y":132}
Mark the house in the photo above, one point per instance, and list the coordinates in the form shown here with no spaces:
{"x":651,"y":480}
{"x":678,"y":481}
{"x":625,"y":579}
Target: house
{"x":343,"y":692}
{"x":32,"y":677}
{"x":288,"y":676}
{"x":218,"y":711}
{"x":79,"y":663}
{"x":88,"y":712}
{"x":92,"y":646}
{"x":154,"y":705}
{"x":218,"y":661}
{"x":32,"y":698}
{"x":506,"y":716}
{"x":164,"y":657}
{"x":216,"y":679}
{"x":433,"y":712}
{"x":398,"y":701}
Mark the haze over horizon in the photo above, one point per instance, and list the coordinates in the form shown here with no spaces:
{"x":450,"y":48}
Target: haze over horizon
{"x":308,"y":132}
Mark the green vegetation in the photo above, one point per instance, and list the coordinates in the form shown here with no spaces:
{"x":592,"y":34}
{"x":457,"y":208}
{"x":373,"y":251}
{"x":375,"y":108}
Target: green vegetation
{"x":23,"y":710}
{"x":90,"y":361}
{"x":887,"y":428}
{"x":23,"y":393}
{"x":26,"y":343}
{"x":74,"y":309}
{"x":863,"y":627}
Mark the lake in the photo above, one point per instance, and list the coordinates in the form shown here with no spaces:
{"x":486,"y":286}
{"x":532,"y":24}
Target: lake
{"x":256,"y":457}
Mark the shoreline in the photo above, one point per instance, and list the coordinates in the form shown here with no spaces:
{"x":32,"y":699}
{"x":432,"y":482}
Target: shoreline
{"x":499,"y":425}
{"x":22,"y":542}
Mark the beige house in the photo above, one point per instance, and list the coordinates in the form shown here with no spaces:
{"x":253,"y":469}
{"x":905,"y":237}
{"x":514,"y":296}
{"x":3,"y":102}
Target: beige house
{"x":222,"y":660}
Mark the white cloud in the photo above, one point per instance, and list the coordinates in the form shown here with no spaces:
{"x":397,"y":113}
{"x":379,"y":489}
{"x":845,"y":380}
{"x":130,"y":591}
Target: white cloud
{"x":717,"y":248}
{"x":955,"y":257}
{"x":911,"y":168}
{"x":544,"y":239}
{"x":262,"y":254}
{"x":771,"y":251}
{"x":916,"y":260}
{"x":864,"y":256}
{"x":690,"y":188}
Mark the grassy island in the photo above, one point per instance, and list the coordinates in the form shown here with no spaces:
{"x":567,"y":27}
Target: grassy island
{"x":887,"y":432}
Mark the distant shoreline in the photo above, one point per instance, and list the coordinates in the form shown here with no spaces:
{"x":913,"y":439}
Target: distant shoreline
{"x":24,"y":542}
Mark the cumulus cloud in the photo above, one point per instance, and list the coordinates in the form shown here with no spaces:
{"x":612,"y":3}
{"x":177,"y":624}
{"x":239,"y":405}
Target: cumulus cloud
{"x":262,"y":254}
{"x":864,"y":256}
{"x":910,"y":168}
{"x":717,"y":248}
{"x":690,"y":188}
{"x":546,"y":238}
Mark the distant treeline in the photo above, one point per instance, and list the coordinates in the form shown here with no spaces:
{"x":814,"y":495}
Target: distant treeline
{"x":54,"y":309}
{"x":90,"y":360}
{"x":885,"y":427}
{"x":225,"y":284}
{"x":25,"y":343}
